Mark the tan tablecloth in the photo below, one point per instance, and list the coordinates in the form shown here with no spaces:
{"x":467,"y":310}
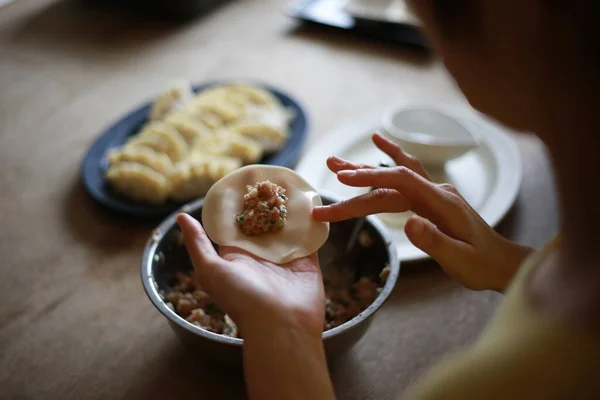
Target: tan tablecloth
{"x":74,"y":321}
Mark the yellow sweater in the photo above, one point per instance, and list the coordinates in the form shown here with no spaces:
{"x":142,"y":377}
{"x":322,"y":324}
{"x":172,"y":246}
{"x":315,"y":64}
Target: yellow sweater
{"x":522,"y":355}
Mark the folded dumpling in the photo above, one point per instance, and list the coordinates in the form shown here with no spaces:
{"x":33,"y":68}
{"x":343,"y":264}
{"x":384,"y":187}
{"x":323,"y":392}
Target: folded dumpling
{"x":231,"y":144}
{"x":254,"y":94}
{"x":248,"y":150}
{"x":190,"y":128}
{"x":138,"y":182}
{"x":270,"y":136}
{"x":193,"y":178}
{"x":277,"y":116}
{"x":163,"y":138}
{"x":214,"y":93}
{"x":215,"y":105}
{"x":178,"y":95}
{"x":211,"y":120}
{"x":142,"y":155}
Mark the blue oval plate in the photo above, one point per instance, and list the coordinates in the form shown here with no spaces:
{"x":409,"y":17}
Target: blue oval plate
{"x":95,"y":162}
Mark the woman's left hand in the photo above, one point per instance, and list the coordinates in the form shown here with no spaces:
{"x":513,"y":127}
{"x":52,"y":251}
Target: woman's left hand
{"x":257,"y":293}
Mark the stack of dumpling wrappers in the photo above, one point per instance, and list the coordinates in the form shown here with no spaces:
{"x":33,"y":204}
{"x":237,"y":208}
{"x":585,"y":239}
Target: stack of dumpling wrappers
{"x":192,"y":141}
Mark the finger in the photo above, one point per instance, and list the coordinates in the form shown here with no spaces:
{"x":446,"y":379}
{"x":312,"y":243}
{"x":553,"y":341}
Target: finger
{"x":375,"y":202}
{"x":448,"y":252}
{"x":451,"y":189}
{"x":336,"y":164}
{"x":421,"y":196}
{"x":198,"y":245}
{"x":399,"y":156}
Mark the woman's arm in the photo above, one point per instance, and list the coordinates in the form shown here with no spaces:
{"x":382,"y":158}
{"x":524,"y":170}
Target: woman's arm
{"x":285,"y":361}
{"x":279,"y":310}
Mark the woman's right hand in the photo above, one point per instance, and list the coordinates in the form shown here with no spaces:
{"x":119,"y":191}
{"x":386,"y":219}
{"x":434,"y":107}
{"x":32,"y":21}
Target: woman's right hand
{"x":445,"y":227}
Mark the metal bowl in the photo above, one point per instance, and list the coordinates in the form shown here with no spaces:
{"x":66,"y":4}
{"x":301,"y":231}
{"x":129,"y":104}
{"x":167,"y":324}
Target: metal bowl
{"x":164,"y":256}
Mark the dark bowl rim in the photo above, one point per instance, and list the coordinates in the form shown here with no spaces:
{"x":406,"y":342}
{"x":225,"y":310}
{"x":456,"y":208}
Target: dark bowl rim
{"x":151,"y":289}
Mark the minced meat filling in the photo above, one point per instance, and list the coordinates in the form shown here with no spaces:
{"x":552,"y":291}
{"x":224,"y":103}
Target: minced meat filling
{"x":264,"y":209}
{"x":189,"y":301}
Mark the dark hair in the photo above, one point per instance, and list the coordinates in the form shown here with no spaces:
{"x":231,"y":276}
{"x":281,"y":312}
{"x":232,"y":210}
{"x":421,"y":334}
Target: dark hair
{"x":456,"y":16}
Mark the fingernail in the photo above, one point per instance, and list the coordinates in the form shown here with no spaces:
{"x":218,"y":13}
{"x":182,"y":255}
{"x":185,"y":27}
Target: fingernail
{"x":185,"y":221}
{"x":347,"y":173}
{"x":181,"y":218}
{"x":182,"y":221}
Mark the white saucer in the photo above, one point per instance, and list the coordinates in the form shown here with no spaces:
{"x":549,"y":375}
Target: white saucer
{"x":488,"y":177}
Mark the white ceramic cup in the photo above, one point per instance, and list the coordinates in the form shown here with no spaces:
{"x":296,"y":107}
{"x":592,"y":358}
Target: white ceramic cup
{"x":430,"y":135}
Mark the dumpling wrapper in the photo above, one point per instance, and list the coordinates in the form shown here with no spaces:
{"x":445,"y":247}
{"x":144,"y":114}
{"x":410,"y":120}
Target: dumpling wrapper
{"x":301,"y":236}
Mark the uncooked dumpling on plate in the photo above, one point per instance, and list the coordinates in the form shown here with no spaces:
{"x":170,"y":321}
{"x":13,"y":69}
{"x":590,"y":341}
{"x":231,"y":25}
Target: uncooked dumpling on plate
{"x":176,"y":98}
{"x":253,"y":94}
{"x":249,"y":151}
{"x":163,"y":138}
{"x":193,"y":178}
{"x":226,"y":143}
{"x":210,"y":119}
{"x":301,"y":236}
{"x":142,"y":155}
{"x":138,"y":182}
{"x":270,"y":137}
{"x":226,"y":111}
{"x":190,"y":128}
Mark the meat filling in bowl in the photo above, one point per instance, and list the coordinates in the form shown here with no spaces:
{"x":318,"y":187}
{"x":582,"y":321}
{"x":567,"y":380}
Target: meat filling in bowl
{"x":264,"y":209}
{"x":190,"y":302}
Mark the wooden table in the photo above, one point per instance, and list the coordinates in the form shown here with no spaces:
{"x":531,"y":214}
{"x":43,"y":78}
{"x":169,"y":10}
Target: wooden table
{"x":74,"y":321}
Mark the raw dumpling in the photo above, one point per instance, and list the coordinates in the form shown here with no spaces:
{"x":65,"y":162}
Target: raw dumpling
{"x":215,"y":93}
{"x":230,"y":144}
{"x":162,"y":138}
{"x":301,"y":236}
{"x":191,"y":129}
{"x":254,"y":94}
{"x":138,"y":182}
{"x":193,"y":178}
{"x":226,"y":111}
{"x":211,"y":120}
{"x":249,"y":151}
{"x":142,"y":155}
{"x":270,"y":137}
{"x":175,"y":98}
{"x":278,"y":117}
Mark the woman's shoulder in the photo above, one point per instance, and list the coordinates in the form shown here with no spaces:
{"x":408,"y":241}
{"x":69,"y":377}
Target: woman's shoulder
{"x":534,"y":347}
{"x":564,"y":288}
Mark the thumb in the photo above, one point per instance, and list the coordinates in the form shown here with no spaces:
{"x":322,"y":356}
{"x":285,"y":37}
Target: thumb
{"x":448,"y":252}
{"x":198,"y":244}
